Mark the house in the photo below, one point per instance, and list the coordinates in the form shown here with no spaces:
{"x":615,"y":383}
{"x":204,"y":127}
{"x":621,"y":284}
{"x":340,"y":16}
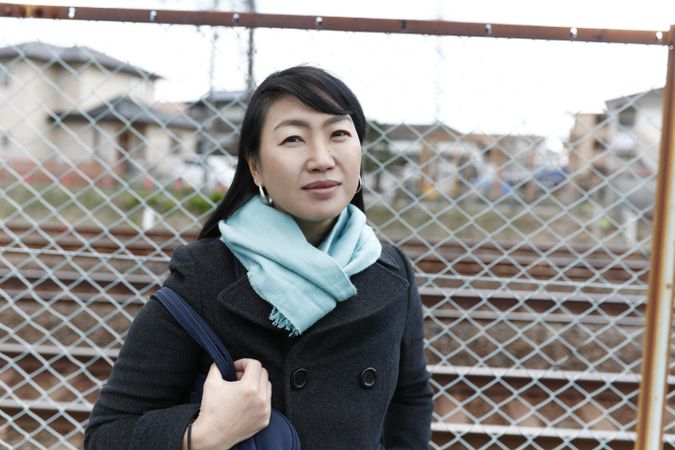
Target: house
{"x":634,"y":137}
{"x":513,"y":161}
{"x":425,"y":158}
{"x":588,"y":154}
{"x":437,"y":159}
{"x":614,"y":157}
{"x":634,"y":130}
{"x":220,"y":114}
{"x":124,"y":135}
{"x":617,"y":152}
{"x":77,"y":113}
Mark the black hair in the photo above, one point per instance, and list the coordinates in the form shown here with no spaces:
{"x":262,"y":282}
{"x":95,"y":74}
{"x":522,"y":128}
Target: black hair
{"x":315,"y":88}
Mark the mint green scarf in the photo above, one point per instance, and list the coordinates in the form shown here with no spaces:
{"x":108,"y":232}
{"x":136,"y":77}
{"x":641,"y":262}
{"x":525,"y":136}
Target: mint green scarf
{"x":303,"y":283}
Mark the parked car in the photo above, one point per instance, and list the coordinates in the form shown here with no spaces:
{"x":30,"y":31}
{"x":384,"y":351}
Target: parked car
{"x":551,"y":178}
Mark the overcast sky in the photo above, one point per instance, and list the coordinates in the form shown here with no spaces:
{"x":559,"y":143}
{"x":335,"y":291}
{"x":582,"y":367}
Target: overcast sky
{"x":472,"y":84}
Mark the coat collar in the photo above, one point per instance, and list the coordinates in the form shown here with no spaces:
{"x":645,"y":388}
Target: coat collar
{"x":376,"y":287}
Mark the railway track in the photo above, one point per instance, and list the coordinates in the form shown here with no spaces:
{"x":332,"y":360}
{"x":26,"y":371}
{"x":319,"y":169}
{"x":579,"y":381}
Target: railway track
{"x":556,"y":313}
{"x":467,"y":258}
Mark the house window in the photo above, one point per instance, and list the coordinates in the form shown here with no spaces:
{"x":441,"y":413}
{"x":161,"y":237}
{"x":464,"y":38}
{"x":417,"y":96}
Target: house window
{"x":139,"y":89}
{"x":627,"y":117}
{"x":96,"y":141}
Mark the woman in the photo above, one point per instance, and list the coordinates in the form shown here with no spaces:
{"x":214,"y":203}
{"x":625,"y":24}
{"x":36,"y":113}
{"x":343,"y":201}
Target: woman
{"x":326,"y":324}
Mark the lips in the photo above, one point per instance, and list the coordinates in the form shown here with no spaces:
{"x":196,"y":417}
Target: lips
{"x":324,"y":184}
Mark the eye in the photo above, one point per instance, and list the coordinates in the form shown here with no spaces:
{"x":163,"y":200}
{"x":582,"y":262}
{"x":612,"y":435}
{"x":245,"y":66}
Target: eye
{"x":292,"y":140}
{"x":341,"y":133}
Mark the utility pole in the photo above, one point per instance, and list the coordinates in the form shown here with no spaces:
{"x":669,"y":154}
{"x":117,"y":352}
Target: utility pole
{"x":214,"y":40}
{"x":250,"y":81}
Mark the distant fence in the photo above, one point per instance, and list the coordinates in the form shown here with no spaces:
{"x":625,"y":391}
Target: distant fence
{"x":525,"y":202}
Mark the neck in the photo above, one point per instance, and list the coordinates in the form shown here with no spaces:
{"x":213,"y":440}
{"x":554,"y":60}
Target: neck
{"x":315,"y":232}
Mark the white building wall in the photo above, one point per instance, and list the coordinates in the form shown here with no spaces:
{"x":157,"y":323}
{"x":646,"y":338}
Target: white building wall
{"x":640,"y":139}
{"x":89,"y":86}
{"x":648,"y":130}
{"x":74,"y":141}
{"x":163,"y":157}
{"x":24,"y":104}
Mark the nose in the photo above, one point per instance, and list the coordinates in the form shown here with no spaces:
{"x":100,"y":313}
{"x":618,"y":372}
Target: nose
{"x":320,"y":157}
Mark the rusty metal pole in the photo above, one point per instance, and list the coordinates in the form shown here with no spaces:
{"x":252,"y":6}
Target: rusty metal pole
{"x":250,"y":77}
{"x":656,"y":349}
{"x":333,"y":23}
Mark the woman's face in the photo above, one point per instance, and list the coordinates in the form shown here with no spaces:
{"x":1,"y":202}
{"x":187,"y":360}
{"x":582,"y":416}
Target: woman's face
{"x":309,"y":161}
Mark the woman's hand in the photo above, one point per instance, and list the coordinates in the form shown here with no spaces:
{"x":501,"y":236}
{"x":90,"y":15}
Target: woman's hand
{"x":232,"y":411}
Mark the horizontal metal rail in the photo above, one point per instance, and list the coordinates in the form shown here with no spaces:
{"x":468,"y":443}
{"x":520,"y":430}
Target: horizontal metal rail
{"x":28,"y":235}
{"x":28,"y":231}
{"x":607,"y":306}
{"x":15,"y":288}
{"x":536,"y":261}
{"x":332,"y":23}
{"x":78,"y":352}
{"x":71,"y":408}
{"x":540,"y":432}
{"x":570,"y":376}
{"x":521,"y":379}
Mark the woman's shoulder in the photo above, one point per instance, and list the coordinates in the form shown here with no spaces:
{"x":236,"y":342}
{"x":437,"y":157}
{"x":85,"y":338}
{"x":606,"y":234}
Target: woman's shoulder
{"x":393,"y":259}
{"x":391,"y":256}
{"x":200,"y":270}
{"x":202,"y":257}
{"x":206,"y":249}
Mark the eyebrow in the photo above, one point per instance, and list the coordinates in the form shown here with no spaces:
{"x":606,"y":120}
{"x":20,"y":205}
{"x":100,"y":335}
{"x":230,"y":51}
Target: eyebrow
{"x":304,"y":124}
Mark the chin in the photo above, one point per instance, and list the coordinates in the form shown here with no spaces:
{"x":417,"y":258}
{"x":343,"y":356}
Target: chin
{"x":317,"y":217}
{"x":320,"y":213}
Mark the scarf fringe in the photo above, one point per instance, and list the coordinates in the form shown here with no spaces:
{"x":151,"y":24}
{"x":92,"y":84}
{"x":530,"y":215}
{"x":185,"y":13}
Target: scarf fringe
{"x":280,"y":321}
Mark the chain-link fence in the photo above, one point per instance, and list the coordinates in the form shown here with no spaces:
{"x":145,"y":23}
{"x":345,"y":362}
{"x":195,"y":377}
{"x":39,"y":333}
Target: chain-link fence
{"x":519,"y":176}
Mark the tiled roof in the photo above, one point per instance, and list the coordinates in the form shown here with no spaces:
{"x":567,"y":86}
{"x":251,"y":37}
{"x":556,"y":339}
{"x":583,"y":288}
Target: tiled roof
{"x":40,"y":51}
{"x":128,"y":110}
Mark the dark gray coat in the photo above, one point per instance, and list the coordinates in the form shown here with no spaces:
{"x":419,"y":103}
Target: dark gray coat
{"x":141,"y":407}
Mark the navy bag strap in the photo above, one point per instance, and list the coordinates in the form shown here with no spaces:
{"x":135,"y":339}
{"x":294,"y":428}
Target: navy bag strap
{"x":199,"y":330}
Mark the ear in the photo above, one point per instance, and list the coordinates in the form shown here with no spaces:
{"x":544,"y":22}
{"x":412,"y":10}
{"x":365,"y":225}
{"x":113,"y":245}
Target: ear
{"x":254,"y":168}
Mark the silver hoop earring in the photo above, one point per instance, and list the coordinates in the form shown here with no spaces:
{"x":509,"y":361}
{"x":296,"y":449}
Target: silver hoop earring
{"x":266,"y":199}
{"x":360,"y":185}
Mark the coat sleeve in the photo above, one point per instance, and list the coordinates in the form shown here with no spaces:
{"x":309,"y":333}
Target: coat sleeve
{"x":142,"y":404}
{"x":408,"y":420}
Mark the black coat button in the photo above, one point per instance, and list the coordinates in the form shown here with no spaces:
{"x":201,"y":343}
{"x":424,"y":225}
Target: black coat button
{"x":368,"y":377}
{"x":299,"y":379}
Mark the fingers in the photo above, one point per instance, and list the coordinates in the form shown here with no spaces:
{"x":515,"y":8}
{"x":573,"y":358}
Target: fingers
{"x":214,"y":373}
{"x":239,"y":409}
{"x":239,"y":366}
{"x":263,"y":380}
{"x":256,"y":375}
{"x":252,"y":370}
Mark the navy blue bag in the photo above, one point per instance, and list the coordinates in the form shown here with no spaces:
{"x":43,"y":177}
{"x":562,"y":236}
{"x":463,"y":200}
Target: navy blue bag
{"x":280,"y":434}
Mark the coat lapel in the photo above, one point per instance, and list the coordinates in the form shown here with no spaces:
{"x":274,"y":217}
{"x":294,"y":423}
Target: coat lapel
{"x":376,"y":287}
{"x":242,"y":300}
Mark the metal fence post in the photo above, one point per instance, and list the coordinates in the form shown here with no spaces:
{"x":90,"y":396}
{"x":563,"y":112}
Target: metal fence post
{"x":656,"y":349}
